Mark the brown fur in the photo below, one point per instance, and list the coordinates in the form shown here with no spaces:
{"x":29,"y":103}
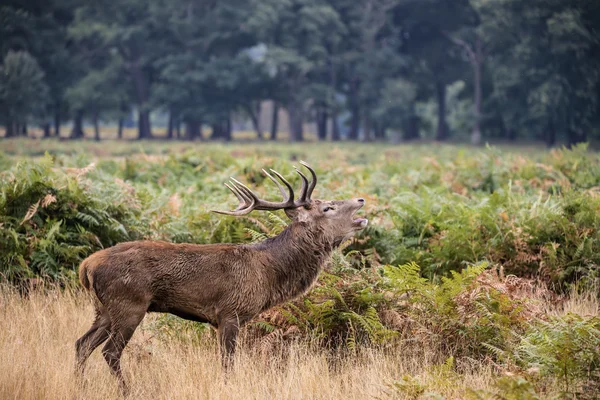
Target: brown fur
{"x":225,"y":285}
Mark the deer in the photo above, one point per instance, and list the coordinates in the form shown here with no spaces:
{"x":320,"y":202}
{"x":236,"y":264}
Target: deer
{"x":224,"y":285}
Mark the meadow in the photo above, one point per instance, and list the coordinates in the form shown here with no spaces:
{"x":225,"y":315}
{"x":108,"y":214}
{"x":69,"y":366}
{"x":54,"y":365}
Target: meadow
{"x":477,"y":276}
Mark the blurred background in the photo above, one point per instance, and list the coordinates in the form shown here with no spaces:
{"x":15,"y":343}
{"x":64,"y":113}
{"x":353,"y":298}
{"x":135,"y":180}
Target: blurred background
{"x":294,"y":70}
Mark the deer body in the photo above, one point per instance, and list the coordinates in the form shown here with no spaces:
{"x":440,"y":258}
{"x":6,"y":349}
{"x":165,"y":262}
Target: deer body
{"x":225,"y":285}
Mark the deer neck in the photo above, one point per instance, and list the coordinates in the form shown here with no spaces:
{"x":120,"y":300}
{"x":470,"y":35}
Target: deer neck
{"x":295,"y":258}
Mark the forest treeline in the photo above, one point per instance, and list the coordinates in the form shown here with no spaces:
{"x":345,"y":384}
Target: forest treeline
{"x":359,"y":70}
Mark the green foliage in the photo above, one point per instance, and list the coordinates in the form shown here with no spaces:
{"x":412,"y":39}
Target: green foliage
{"x":340,"y":312}
{"x":22,"y":89}
{"x":429,"y":269}
{"x":508,"y":388}
{"x":168,"y":325}
{"x":50,"y":219}
{"x":528,"y":69}
{"x":541,"y":217}
{"x":463,"y":315}
{"x":567,"y":348}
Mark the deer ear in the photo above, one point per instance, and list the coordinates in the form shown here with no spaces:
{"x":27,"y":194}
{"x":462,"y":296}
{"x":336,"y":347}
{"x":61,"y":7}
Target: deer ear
{"x":299,"y":214}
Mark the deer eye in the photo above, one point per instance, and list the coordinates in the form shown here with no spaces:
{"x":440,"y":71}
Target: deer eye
{"x":326,"y":209}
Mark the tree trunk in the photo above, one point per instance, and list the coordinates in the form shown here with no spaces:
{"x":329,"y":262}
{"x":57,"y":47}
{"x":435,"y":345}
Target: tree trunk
{"x":255,"y":117}
{"x":10,"y":128}
{"x":144,"y":129}
{"x":193,"y":129}
{"x":96,"y":127}
{"x":550,"y":135}
{"x":57,"y":123}
{"x":295,"y":121}
{"x":321,"y":122}
{"x":367,"y":128}
{"x":442,"y":127}
{"x":170,"y":126}
{"x":335,"y":128}
{"x":274,"y":121}
{"x":47,"y":130}
{"x":411,"y":132}
{"x":477,"y":66}
{"x":355,"y":113}
{"x":24,"y":129}
{"x":178,"y":128}
{"x":379,"y":132}
{"x":142,"y":93}
{"x":227,"y":129}
{"x":77,"y":130}
{"x":575,"y":136}
{"x":120,"y":128}
{"x":217,"y":131}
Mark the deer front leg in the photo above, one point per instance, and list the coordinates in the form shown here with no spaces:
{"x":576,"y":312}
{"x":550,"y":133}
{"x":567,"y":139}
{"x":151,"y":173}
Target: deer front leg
{"x":228,"y":332}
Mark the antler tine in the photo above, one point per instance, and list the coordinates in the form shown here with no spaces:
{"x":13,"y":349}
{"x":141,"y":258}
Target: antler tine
{"x":313,"y":181}
{"x":290,"y":199}
{"x":250,"y":198}
{"x":302,"y":198}
{"x":243,"y":201}
{"x":246,"y":203}
{"x":244,"y":190}
{"x":281,"y":189}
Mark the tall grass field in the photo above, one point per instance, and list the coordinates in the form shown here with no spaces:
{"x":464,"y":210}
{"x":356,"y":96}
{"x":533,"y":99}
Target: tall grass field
{"x":477,"y":277}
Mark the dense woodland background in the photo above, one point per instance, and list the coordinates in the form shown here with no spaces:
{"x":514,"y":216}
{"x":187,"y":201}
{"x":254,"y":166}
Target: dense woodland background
{"x":357,"y":70}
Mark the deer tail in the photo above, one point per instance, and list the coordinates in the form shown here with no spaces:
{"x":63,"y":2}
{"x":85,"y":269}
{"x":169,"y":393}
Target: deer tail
{"x":87,"y":267}
{"x":83,"y":274}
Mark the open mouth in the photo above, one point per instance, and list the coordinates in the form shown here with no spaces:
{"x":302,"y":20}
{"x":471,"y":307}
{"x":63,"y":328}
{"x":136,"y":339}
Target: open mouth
{"x":360,"y":222}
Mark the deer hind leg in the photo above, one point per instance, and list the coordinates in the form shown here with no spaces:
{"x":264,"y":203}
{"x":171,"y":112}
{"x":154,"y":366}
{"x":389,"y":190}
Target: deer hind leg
{"x":93,"y":338}
{"x":228,"y":332}
{"x":123,"y":324}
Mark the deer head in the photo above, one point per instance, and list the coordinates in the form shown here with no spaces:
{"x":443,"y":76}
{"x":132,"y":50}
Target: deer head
{"x":334,"y":219}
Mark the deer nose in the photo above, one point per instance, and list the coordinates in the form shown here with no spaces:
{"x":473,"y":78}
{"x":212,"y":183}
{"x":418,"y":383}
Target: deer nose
{"x":361,"y":200}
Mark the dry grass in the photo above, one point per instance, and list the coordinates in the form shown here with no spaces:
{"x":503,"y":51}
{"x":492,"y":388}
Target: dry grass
{"x":37,"y":361}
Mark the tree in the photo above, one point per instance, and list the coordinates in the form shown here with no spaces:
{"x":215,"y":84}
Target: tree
{"x":476,"y":56}
{"x":396,"y":107}
{"x":296,"y":34}
{"x":425,"y":28}
{"x":40,"y":28}
{"x":207,"y":73}
{"x":129,"y":28}
{"x":23,"y":92}
{"x":101,"y":91}
{"x":545,"y":62}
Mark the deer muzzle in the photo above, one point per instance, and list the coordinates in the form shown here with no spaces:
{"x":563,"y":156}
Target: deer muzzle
{"x":359,"y":223}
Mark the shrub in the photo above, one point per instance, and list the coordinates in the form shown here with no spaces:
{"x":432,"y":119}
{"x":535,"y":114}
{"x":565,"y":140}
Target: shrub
{"x":566,"y":348}
{"x":50,"y":219}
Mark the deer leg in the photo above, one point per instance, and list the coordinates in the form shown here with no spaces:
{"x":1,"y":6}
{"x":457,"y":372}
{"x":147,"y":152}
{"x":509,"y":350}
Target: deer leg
{"x":93,"y":338}
{"x":122,"y":329}
{"x":228,"y":332}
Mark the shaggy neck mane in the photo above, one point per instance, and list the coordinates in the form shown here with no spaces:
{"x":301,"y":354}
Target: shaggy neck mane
{"x":296,"y":256}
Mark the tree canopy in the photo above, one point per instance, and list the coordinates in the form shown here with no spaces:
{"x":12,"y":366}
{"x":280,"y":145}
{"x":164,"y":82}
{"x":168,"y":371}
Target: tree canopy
{"x":466,"y":70}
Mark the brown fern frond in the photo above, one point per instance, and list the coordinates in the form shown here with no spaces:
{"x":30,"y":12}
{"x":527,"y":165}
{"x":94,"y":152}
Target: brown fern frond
{"x":31,"y":212}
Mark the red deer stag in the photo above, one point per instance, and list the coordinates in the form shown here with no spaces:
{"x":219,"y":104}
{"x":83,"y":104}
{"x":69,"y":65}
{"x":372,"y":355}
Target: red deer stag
{"x":225,"y":285}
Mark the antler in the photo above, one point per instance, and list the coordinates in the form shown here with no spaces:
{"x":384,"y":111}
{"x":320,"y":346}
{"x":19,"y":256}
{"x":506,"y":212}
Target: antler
{"x":249,"y":201}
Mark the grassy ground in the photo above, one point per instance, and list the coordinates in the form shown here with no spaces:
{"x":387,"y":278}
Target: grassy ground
{"x":524,"y":209}
{"x":37,"y":358}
